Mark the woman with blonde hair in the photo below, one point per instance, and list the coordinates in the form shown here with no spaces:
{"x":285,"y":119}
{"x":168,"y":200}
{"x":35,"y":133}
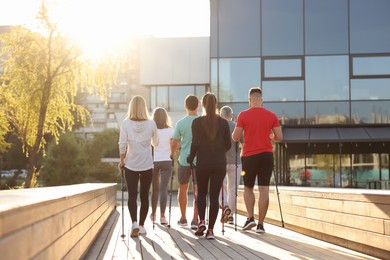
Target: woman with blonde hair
{"x":137,"y":133}
{"x":162,"y":163}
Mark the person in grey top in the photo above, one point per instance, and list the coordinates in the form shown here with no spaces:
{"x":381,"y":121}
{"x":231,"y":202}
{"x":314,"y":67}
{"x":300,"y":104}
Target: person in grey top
{"x":233,"y":178}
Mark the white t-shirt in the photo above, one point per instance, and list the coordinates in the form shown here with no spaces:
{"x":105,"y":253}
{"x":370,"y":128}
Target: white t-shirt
{"x":137,"y":137}
{"x":162,"y":152}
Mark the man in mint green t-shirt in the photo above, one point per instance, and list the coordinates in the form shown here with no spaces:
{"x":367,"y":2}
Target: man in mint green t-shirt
{"x":181,"y":141}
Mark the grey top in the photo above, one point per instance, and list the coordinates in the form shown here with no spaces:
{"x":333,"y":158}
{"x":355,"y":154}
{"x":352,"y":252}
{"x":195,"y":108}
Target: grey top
{"x":231,"y":153}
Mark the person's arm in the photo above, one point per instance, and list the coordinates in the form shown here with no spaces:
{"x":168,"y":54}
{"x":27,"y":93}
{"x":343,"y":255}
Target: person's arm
{"x":155,"y":138}
{"x":195,"y":142}
{"x":237,"y":133}
{"x":122,"y":147}
{"x":228,"y":143}
{"x":277,"y":134}
{"x":175,"y":144}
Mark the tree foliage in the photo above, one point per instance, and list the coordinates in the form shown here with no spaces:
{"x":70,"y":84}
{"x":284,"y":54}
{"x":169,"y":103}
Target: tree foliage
{"x":64,"y":163}
{"x":42,"y":73}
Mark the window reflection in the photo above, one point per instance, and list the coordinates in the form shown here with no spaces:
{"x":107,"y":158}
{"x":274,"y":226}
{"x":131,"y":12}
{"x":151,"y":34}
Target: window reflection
{"x":233,"y":39}
{"x":327,"y":78}
{"x":177,"y":95}
{"x":214,"y":76}
{"x":292,"y":90}
{"x":371,"y":112}
{"x":370,"y":89}
{"x":236,"y":77}
{"x":369,"y":20}
{"x":371,"y":66}
{"x":282,"y":27}
{"x":326,"y":27}
{"x":289,"y":113}
{"x":282,"y":68}
{"x":327,"y":113}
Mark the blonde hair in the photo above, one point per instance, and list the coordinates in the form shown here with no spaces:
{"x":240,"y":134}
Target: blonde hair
{"x":161,"y":117}
{"x":137,"y":109}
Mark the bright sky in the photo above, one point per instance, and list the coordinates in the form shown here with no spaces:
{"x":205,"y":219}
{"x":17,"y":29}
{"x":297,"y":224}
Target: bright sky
{"x":109,"y":22}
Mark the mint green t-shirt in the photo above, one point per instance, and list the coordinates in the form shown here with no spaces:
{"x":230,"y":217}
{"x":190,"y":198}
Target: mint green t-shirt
{"x":183,"y":133}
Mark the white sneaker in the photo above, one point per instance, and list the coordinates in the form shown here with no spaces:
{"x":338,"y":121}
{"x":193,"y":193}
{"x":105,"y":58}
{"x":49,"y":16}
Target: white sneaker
{"x":142,"y":230}
{"x":135,"y":230}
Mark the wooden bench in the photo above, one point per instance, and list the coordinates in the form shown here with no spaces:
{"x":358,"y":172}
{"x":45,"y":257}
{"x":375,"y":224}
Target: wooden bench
{"x":358,"y":219}
{"x":55,"y":222}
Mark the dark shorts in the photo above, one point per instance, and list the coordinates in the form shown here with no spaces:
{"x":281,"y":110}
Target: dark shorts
{"x":184,"y":174}
{"x":260,"y":166}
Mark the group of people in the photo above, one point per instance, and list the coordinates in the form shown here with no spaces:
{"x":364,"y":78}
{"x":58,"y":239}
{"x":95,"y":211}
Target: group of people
{"x":210,"y":156}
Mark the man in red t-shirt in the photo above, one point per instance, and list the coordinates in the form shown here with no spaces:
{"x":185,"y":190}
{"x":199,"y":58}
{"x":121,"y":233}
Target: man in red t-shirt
{"x":259,"y":126}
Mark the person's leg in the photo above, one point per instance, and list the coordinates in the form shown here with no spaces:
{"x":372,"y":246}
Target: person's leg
{"x":266,"y":163}
{"x":216,"y":178}
{"x":231,"y":186}
{"x":155,"y":188}
{"x":195,"y":190}
{"x":145,"y":181}
{"x":165,"y":177}
{"x":249,"y":165}
{"x":183,"y":178}
{"x":202,"y":183}
{"x":263,"y":202}
{"x":132,"y":179}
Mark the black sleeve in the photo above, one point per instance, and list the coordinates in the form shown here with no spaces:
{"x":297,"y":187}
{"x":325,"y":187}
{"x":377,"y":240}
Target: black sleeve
{"x":226,"y":136}
{"x":195,"y":141}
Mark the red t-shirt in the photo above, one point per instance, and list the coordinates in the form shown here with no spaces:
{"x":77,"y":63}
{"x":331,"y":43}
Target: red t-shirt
{"x":257,"y":123}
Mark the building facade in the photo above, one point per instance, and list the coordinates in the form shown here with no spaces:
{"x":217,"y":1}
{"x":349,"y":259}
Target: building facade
{"x":320,"y":63}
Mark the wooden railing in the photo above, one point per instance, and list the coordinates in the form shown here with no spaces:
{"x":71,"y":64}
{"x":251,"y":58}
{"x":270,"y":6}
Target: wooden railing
{"x":358,"y":219}
{"x":55,"y":222}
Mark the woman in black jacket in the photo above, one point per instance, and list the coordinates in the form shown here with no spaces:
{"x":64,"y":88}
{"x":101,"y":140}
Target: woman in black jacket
{"x":210,"y":141}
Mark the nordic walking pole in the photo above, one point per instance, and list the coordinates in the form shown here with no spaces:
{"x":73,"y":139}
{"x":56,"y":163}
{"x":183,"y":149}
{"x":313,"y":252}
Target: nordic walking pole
{"x":236,"y":188}
{"x":170,"y":192}
{"x":122,"y":188}
{"x":277,"y":193}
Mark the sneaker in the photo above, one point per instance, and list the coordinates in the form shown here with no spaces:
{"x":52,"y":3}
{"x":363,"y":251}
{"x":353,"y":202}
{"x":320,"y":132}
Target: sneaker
{"x":225,"y":214}
{"x":250,"y":223}
{"x":210,"y":234}
{"x":142,"y":230}
{"x":194,"y":225}
{"x":260,"y":228}
{"x":134,"y":230}
{"x":230,"y":220}
{"x":163,"y":221}
{"x":182,"y":222}
{"x":201,"y":228}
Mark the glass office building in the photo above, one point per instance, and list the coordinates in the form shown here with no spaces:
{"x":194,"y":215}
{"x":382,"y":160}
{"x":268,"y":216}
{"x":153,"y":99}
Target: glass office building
{"x":324,"y":67}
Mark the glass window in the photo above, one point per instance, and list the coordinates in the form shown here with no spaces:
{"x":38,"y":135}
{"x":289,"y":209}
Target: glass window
{"x":292,"y":90}
{"x":282,"y":68}
{"x":213,"y":28}
{"x":327,"y":113}
{"x":282,"y":27}
{"x":177,"y":95}
{"x":289,"y":113}
{"x":370,"y":112}
{"x":214,"y":76}
{"x":370,"y":89}
{"x":200,"y":91}
{"x":236,"y":77}
{"x":159,"y":97}
{"x":369,"y":26}
{"x":239,"y":28}
{"x":326,"y":27}
{"x":371,"y":66}
{"x":327,"y":78}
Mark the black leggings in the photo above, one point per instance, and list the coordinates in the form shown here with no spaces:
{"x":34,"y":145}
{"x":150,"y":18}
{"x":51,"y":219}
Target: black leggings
{"x":213,"y":174}
{"x":132,"y":178}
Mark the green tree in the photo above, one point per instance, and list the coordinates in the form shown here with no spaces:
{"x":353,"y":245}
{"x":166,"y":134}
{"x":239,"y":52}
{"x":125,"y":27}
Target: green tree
{"x":64,"y":163}
{"x":41,"y":76}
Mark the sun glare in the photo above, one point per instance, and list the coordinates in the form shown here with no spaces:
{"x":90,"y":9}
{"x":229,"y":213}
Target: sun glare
{"x":105,"y":26}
